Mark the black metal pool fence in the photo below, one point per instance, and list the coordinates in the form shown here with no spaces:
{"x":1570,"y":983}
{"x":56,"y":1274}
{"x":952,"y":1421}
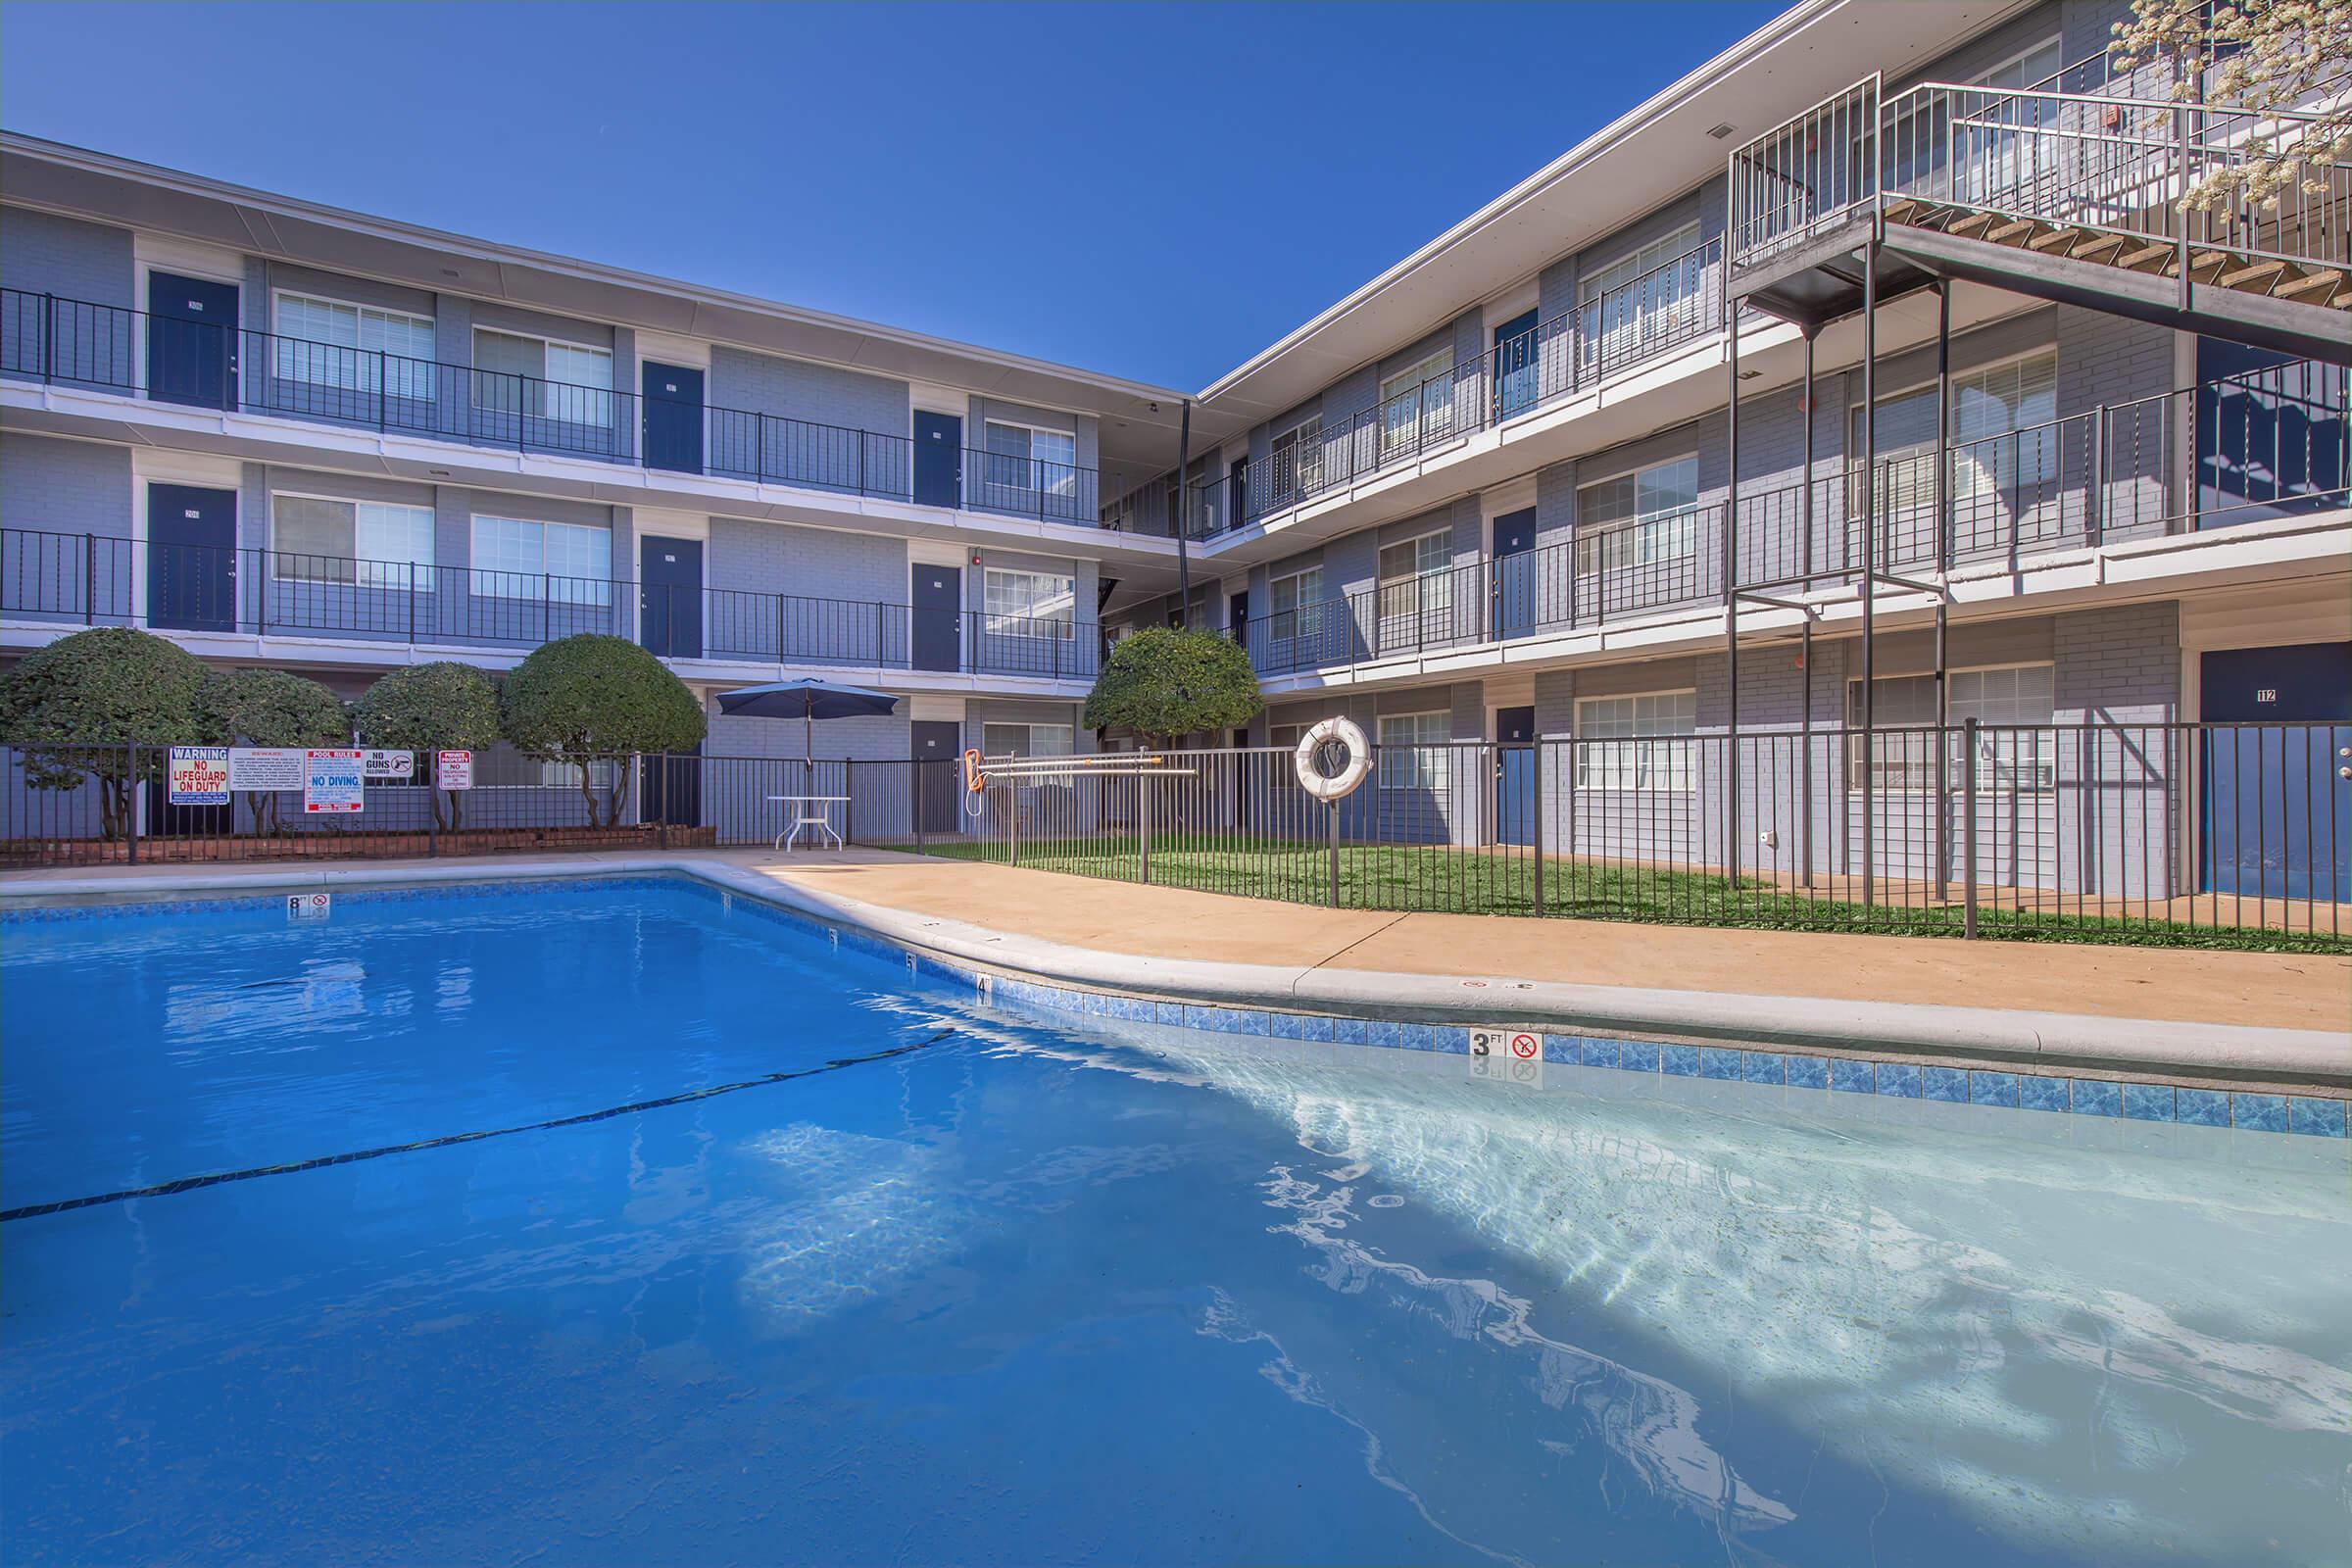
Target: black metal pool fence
{"x":2205,"y":834}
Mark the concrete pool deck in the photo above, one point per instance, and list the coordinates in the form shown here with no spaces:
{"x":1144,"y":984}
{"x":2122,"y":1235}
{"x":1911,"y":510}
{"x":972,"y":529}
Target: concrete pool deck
{"x":2191,"y":1015}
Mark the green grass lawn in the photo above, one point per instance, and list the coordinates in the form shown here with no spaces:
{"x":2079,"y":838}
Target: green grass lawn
{"x":1466,"y":881}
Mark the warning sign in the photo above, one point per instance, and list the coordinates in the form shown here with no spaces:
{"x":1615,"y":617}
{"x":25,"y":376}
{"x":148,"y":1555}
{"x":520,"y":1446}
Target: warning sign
{"x":334,"y":781}
{"x":388,"y":767}
{"x":454,"y":770}
{"x":199,"y":775}
{"x":309,"y":905}
{"x":1507,"y":1055}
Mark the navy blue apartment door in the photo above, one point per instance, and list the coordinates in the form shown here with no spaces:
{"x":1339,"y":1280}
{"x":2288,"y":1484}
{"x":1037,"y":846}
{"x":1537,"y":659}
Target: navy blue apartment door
{"x":674,"y":418}
{"x":1515,"y":775}
{"x":2278,"y":817}
{"x":1515,"y":573}
{"x":191,"y":340}
{"x":937,"y":459}
{"x":938,"y":774}
{"x":670,"y":596}
{"x":938,"y":611}
{"x":191,"y":558}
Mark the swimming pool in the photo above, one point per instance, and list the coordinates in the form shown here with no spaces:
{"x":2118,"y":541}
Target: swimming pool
{"x":945,"y":1284}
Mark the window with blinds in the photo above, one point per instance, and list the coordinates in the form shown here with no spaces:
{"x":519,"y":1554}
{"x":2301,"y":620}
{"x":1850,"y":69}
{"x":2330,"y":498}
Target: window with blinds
{"x":1639,"y":743}
{"x":366,"y":543}
{"x":353,"y":348}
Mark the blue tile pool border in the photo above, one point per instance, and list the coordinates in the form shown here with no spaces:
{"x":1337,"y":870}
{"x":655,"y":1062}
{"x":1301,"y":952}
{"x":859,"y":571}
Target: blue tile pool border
{"x":1792,"y":1072}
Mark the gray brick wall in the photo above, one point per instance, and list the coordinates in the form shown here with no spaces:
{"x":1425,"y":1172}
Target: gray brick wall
{"x":45,"y":254}
{"x":57,"y":491}
{"x":801,"y":389}
{"x":841,"y":593}
{"x":2123,"y":789}
{"x":56,"y":486}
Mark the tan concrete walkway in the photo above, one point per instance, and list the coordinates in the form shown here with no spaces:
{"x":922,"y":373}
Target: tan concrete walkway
{"x":2282,"y":991}
{"x":2285,"y":991}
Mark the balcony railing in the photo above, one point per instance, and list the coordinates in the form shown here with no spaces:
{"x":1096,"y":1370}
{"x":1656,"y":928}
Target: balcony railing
{"x":1658,"y":313}
{"x":2273,"y":443}
{"x":76,"y":343}
{"x":101,"y":580}
{"x":2115,"y":163}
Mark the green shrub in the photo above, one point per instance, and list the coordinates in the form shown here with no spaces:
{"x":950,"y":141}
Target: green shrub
{"x":1165,"y":684}
{"x":75,"y":708}
{"x":591,"y":698}
{"x":429,"y":709}
{"x":275,"y":707}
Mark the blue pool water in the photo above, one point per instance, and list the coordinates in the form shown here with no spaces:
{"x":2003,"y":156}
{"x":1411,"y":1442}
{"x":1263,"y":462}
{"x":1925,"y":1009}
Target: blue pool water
{"x":1039,"y":1294}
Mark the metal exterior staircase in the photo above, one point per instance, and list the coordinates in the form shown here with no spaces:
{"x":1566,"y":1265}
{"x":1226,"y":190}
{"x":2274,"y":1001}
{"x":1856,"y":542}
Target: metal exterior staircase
{"x":2066,"y":196}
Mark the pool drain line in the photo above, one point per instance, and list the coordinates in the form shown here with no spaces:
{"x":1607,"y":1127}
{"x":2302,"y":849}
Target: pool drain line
{"x":189,"y":1184}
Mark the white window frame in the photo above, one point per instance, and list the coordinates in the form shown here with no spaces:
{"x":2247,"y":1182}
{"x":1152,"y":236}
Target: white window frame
{"x":418,"y":385}
{"x":1299,"y":439}
{"x":1062,"y":484}
{"x":1301,"y":608}
{"x":1401,"y":429}
{"x":1417,"y":762}
{"x":597,"y":408}
{"x":1426,"y":587}
{"x":1999,"y":768}
{"x":1641,"y":317}
{"x":505,"y":583}
{"x":367,"y":572}
{"x":1638,"y":542}
{"x":1067,"y":733}
{"x":1906,"y":477}
{"x":1659,"y":761}
{"x":1028,"y":622}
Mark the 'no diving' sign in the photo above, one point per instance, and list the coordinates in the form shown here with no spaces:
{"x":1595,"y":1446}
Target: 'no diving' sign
{"x":1507,"y":1055}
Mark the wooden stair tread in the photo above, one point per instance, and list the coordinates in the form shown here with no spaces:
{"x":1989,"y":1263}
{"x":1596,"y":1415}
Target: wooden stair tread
{"x":1967,"y":227}
{"x":2135,"y":261}
{"x":2254,"y":276}
{"x":2012,"y":229}
{"x":2322,"y":284}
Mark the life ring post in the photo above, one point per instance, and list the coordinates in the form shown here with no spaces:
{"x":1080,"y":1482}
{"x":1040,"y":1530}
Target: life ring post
{"x":1333,"y":787}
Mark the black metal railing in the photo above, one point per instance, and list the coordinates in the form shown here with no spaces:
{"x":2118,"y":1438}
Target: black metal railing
{"x":2226,"y":835}
{"x":102,"y":580}
{"x":2271,"y":443}
{"x":2116,"y":162}
{"x":1665,"y":310}
{"x":76,"y":343}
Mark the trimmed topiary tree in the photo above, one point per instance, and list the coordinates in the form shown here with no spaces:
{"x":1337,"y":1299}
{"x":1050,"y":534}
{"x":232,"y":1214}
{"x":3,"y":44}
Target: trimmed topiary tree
{"x":1165,"y":684}
{"x":78,"y":705}
{"x":592,"y":698}
{"x":429,"y":709}
{"x":275,"y":707}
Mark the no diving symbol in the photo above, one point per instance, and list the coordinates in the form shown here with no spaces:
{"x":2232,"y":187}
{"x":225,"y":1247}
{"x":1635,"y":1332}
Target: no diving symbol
{"x":1506,"y":1055}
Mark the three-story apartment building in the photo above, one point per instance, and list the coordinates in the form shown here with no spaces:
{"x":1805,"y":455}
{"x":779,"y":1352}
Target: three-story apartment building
{"x":1865,"y":349}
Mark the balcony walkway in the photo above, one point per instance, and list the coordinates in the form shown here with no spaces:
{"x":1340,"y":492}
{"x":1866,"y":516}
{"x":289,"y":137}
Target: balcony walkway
{"x":2186,"y":1015}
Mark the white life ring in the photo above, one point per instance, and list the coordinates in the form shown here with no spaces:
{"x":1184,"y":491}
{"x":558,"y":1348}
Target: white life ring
{"x":1341,"y":785}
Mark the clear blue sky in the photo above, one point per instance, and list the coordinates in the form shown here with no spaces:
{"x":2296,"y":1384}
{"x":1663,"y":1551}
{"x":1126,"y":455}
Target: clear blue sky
{"x":1153,"y":191}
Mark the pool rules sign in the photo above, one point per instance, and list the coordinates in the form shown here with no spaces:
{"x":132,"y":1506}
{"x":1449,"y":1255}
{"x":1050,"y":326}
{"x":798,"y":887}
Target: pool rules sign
{"x":1507,"y":1055}
{"x":334,"y":781}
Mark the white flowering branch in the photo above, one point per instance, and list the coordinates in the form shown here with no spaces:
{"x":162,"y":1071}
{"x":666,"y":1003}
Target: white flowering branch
{"x":2256,"y":56}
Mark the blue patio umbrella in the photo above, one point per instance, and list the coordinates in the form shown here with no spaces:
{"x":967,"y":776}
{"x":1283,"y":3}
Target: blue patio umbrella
{"x":807,"y":700}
